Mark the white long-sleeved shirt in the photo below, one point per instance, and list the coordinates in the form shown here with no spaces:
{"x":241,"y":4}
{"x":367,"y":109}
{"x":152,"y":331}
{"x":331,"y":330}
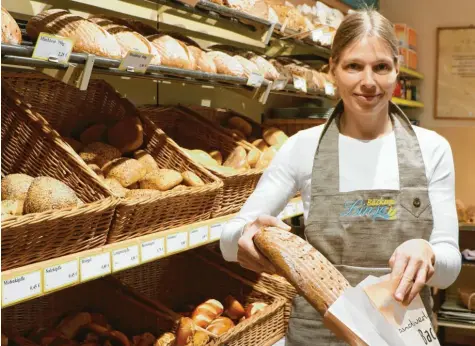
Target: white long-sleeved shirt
{"x":364,"y":165}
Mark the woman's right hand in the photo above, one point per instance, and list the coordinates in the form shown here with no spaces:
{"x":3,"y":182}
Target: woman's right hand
{"x":249,"y":256}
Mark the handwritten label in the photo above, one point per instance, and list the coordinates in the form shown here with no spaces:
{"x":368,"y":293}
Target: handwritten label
{"x":177,"y":242}
{"x":199,"y":236}
{"x":61,"y":275}
{"x":153,"y":249}
{"x":21,"y":287}
{"x":280,"y":83}
{"x":216,"y":230}
{"x":125,"y":258}
{"x":53,"y":48}
{"x":135,"y":62}
{"x":300,"y":84}
{"x":95,"y":266}
{"x":255,"y":80}
{"x":329,"y":89}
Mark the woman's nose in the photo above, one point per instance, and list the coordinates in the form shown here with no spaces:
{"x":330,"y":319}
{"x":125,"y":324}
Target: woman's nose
{"x":368,"y":78}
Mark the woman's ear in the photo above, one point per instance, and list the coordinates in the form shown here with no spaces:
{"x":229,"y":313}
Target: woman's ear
{"x":397,"y":66}
{"x":332,"y":67}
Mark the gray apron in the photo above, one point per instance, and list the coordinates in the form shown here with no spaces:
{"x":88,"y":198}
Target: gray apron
{"x":358,"y":231}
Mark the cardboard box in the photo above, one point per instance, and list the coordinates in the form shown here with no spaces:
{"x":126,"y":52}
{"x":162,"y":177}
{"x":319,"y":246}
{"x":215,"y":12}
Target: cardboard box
{"x":406,"y":36}
{"x":412,"y":59}
{"x":403,"y":56}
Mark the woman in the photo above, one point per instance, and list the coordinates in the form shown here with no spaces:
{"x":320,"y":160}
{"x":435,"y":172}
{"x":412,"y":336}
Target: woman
{"x":378,"y":193}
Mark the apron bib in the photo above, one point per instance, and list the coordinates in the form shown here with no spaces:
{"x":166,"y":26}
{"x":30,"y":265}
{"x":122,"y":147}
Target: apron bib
{"x":358,"y":231}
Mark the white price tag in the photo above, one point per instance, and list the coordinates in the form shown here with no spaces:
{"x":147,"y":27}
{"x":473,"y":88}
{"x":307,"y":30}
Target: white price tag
{"x":255,"y":80}
{"x":125,"y":258}
{"x":61,"y":275}
{"x":21,"y":287}
{"x":135,"y":62}
{"x":329,"y":89}
{"x":280,"y":83}
{"x":177,"y":242}
{"x":317,"y":35}
{"x":53,"y":48}
{"x":300,"y":83}
{"x":216,"y":230}
{"x":153,"y":249}
{"x":199,"y":235}
{"x":95,"y":266}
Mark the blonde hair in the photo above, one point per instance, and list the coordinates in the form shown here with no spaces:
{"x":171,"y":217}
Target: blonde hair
{"x":360,"y":24}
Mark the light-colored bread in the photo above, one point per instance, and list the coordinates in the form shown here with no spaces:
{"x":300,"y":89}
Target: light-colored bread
{"x":237,"y":159}
{"x":146,"y":160}
{"x":203,"y":62}
{"x":201,"y":157}
{"x":226,"y":171}
{"x":266,"y":68}
{"x":94,"y":133}
{"x":220,"y":325}
{"x":185,"y":332}
{"x":116,"y":188}
{"x":172,"y":53}
{"x":10,"y":207}
{"x":217,"y":156}
{"x":47,"y":193}
{"x":240,"y":124}
{"x":191,"y":179}
{"x":226,"y":64}
{"x":254,"y":308}
{"x":162,"y":179}
{"x":253,"y":157}
{"x":260,"y":144}
{"x":200,"y":339}
{"x":127,"y":134}
{"x":76,"y":145}
{"x":206,"y":312}
{"x":266,"y":158}
{"x":126,"y":171}
{"x":180,"y":188}
{"x":15,"y":186}
{"x":167,"y":339}
{"x":274,"y":137}
{"x":141,"y":193}
{"x":99,"y":153}
{"x":11,"y":33}
{"x":233,"y":308}
{"x":248,"y":66}
{"x":96,"y":170}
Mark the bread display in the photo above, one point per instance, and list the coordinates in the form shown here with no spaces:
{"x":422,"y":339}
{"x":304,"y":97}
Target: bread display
{"x":220,"y":325}
{"x":162,"y":179}
{"x":146,"y":160}
{"x":248,"y":66}
{"x":191,"y":179}
{"x":226,"y":64}
{"x":233,"y":308}
{"x":240,"y":124}
{"x":11,"y":33}
{"x":237,"y":159}
{"x":141,"y":193}
{"x":125,"y":170}
{"x":99,"y":153}
{"x":204,"y":63}
{"x":127,"y":134}
{"x":172,"y":52}
{"x":116,"y":187}
{"x":274,"y":137}
{"x":94,"y":133}
{"x":206,"y":312}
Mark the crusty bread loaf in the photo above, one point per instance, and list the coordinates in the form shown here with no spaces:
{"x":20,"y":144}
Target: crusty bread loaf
{"x":127,"y":134}
{"x":220,"y":325}
{"x":203,"y":62}
{"x":146,"y":160}
{"x":47,"y":193}
{"x":200,"y":339}
{"x":206,"y":312}
{"x":217,"y":156}
{"x":237,"y":159}
{"x":248,"y":66}
{"x":266,"y":68}
{"x":274,"y":136}
{"x":10,"y":207}
{"x":253,"y":157}
{"x":116,"y":188}
{"x":266,"y":158}
{"x":94,"y":133}
{"x":260,"y":144}
{"x":226,"y":64}
{"x":240,"y":124}
{"x":172,"y":53}
{"x":233,"y":308}
{"x":126,"y":171}
{"x":11,"y":33}
{"x":15,"y":186}
{"x":99,"y":153}
{"x":240,"y":5}
{"x":191,"y":179}
{"x":162,"y":179}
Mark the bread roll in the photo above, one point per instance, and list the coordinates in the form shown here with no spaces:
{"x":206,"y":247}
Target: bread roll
{"x":172,"y":53}
{"x":237,"y":159}
{"x":266,"y":158}
{"x":96,"y":170}
{"x":260,"y":144}
{"x":142,"y":193}
{"x":11,"y":33}
{"x":233,"y":308}
{"x":207,"y":312}
{"x":127,"y":134}
{"x":254,"y":308}
{"x":248,"y":66}
{"x":47,"y":193}
{"x":99,"y":153}
{"x":76,"y":145}
{"x":10,"y":207}
{"x":200,"y":339}
{"x":15,"y":186}
{"x":274,"y":137}
{"x":126,"y":171}
{"x":94,"y":133}
{"x":71,"y":325}
{"x":253,"y":157}
{"x":162,"y":179}
{"x":203,"y":62}
{"x":202,"y":157}
{"x":226,"y":64}
{"x":167,"y":339}
{"x":240,"y":124}
{"x":266,"y":68}
{"x":191,"y":179}
{"x":226,"y":171}
{"x":116,"y":188}
{"x":220,"y":325}
{"x":146,"y":160}
{"x":217,"y":156}
{"x":185,"y":332}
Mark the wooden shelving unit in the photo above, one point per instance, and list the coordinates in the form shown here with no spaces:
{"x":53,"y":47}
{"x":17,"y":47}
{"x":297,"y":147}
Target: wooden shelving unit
{"x":407,"y":103}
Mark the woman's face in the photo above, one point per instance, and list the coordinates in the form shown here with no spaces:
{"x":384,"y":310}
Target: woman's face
{"x":366,"y":76}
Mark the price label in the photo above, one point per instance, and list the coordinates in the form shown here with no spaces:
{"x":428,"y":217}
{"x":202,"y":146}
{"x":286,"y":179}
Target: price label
{"x":153,"y":249}
{"x":125,"y":258}
{"x":329,"y":89}
{"x":135,"y":62}
{"x":300,"y":84}
{"x":53,"y":48}
{"x":255,"y":80}
{"x":21,"y":287}
{"x":95,"y":266}
{"x":317,"y":35}
{"x":61,"y":275}
{"x":177,"y":242}
{"x":280,"y":83}
{"x":216,"y":230}
{"x":199,"y":235}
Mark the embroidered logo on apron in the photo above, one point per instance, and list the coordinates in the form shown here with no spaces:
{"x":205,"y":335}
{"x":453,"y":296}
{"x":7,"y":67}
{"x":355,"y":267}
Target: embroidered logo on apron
{"x":379,"y":208}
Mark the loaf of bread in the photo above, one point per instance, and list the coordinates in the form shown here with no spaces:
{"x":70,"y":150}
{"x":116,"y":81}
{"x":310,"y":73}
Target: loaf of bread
{"x":191,"y":179}
{"x":260,"y":144}
{"x":226,"y":64}
{"x":94,"y":133}
{"x":240,"y":124}
{"x":200,"y":339}
{"x":274,"y":136}
{"x":248,"y":66}
{"x":266,"y":68}
{"x":126,"y":171}
{"x":99,"y":153}
{"x":237,"y":159}
{"x":146,"y":160}
{"x":253,"y":157}
{"x":240,"y":5}
{"x":116,"y":188}
{"x":262,"y":9}
{"x":88,"y":37}
{"x":127,"y":134}
{"x":185,"y":332}
{"x":220,"y":325}
{"x":162,"y":179}
{"x":201,"y":157}
{"x":233,"y":308}
{"x":11,"y":33}
{"x":226,"y":171}
{"x":217,"y":156}
{"x":47,"y":193}
{"x":172,"y":53}
{"x":10,"y":207}
{"x":206,"y":312}
{"x":167,"y":339}
{"x":97,"y":170}
{"x":204,"y":63}
{"x":15,"y":186}
{"x":254,"y":308}
{"x":266,"y":158}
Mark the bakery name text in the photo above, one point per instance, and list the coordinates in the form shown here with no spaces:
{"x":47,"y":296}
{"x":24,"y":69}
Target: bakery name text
{"x":375,"y":208}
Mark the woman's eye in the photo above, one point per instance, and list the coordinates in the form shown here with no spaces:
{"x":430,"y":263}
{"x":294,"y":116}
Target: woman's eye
{"x":383,"y":67}
{"x":353,"y":66}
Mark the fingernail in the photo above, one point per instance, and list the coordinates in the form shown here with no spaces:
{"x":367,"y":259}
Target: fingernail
{"x":399,"y":296}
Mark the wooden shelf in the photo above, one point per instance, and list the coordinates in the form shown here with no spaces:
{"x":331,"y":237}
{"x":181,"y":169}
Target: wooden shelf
{"x":407,"y":103}
{"x":467,"y":227}
{"x":407,"y":73}
{"x":459,"y":325}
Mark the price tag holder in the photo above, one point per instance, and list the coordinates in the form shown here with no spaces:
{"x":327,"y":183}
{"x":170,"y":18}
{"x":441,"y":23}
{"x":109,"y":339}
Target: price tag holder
{"x":216,"y":230}
{"x":329,"y":89}
{"x":152,"y":249}
{"x":22,"y":287}
{"x":125,"y":258}
{"x":95,"y":266}
{"x":300,"y":84}
{"x":61,"y":275}
{"x":199,"y":236}
{"x":177,"y":242}
{"x":255,"y":80}
{"x":135,"y":62}
{"x":53,"y":48}
{"x":280,"y":83}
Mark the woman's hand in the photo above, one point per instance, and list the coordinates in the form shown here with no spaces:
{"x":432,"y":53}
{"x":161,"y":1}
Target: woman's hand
{"x":249,"y":256}
{"x":413,"y":264}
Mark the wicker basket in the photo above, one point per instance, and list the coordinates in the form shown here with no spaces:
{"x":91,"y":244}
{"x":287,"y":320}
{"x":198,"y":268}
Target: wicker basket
{"x":70,"y":111}
{"x":193,"y":133}
{"x":186,"y":280}
{"x":124,"y":313}
{"x":292,"y":126}
{"x":30,"y":147}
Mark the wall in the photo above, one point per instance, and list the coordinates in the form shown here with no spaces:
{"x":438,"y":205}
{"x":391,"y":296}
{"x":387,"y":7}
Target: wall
{"x":425,"y":16}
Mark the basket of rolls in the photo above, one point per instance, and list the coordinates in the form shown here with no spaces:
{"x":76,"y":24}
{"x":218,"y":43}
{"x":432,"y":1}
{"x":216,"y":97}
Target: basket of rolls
{"x":230,"y":308}
{"x":238,"y":165}
{"x":52,"y":204}
{"x":159,"y":187}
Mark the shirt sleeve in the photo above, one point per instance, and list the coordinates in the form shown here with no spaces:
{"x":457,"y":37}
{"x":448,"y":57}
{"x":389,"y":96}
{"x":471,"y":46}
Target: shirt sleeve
{"x":445,"y":234}
{"x":278,"y":184}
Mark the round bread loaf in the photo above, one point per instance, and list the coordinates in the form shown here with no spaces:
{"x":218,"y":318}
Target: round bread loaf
{"x":237,"y":159}
{"x":217,"y":156}
{"x":47,"y":193}
{"x":240,"y":124}
{"x":15,"y":186}
{"x":99,"y":153}
{"x":10,"y":207}
{"x":146,"y":160}
{"x":126,"y":171}
{"x":11,"y":33}
{"x":94,"y":133}
{"x":115,"y":187}
{"x":163,"y":180}
{"x":127,"y":134}
{"x":97,"y":170}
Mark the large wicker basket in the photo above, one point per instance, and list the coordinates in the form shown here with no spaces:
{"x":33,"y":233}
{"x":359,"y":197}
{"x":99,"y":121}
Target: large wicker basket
{"x":193,"y":133}
{"x":70,"y":111}
{"x":185,"y":280}
{"x":29,"y":146}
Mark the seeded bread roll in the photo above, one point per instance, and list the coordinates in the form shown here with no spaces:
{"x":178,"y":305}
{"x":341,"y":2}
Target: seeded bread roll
{"x":163,"y":180}
{"x":15,"y":186}
{"x":127,"y":134}
{"x":126,"y":171}
{"x":99,"y":153}
{"x":10,"y":207}
{"x":47,"y":193}
{"x":191,"y":179}
{"x":94,"y":133}
{"x":116,"y":187}
{"x":146,"y":160}
{"x":11,"y":33}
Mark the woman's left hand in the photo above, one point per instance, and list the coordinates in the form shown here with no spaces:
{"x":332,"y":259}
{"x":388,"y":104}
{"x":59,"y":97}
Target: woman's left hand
{"x":413,"y":264}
